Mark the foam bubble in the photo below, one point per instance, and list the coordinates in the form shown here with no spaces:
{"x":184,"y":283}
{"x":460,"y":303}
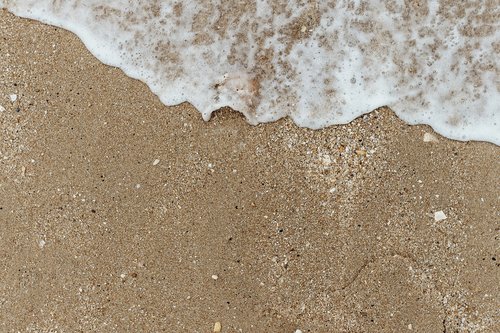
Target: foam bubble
{"x":320,"y":62}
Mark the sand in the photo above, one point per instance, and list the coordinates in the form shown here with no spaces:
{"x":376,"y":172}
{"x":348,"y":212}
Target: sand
{"x":119,"y":214}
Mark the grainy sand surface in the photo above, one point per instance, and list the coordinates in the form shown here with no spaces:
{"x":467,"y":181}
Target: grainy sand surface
{"x":118,"y":214}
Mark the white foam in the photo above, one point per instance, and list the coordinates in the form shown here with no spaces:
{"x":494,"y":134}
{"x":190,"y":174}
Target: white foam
{"x":434,"y":62}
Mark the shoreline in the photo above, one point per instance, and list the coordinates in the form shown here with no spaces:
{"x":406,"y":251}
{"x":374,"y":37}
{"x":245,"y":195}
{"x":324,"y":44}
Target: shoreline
{"x":121,"y":214}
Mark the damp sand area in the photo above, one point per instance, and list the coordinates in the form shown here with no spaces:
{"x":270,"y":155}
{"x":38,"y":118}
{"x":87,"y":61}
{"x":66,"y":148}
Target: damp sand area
{"x":119,"y":214}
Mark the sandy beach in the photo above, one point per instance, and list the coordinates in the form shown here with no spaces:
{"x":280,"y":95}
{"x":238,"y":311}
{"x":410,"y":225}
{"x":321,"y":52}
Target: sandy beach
{"x":119,"y":214}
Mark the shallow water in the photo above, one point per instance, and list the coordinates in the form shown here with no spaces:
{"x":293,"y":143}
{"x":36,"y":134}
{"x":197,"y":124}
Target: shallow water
{"x":319,"y":62}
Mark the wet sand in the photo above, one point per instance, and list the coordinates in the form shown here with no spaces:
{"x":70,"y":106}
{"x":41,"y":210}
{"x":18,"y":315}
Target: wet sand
{"x":119,"y":214}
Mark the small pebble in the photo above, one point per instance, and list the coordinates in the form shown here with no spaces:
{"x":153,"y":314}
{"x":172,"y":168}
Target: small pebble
{"x":217,"y":327}
{"x":41,"y":243}
{"x":155,"y":162}
{"x":439,"y":216}
{"x":428,"y":137}
{"x":361,"y":152}
{"x":13,"y":98}
{"x":2,"y":109}
{"x":215,"y":277}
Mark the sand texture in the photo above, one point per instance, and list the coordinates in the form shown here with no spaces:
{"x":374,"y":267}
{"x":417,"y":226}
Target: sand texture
{"x":118,"y":214}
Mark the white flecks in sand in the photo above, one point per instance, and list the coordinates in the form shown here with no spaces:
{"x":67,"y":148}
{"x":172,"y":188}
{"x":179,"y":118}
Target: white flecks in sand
{"x":439,"y":216}
{"x":2,"y":109}
{"x":155,"y":162}
{"x":428,"y":137}
{"x":298,"y":331}
{"x":123,"y":275}
{"x":217,"y":327}
{"x":137,"y":186}
{"x":13,"y":97}
{"x":215,"y":277}
{"x":41,"y":243}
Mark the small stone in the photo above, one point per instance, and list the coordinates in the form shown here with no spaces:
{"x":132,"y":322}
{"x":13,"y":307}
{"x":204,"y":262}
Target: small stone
{"x":410,"y":326}
{"x":428,"y":137}
{"x":13,"y":97}
{"x":303,"y":29}
{"x":439,"y":216}
{"x":217,"y":327}
{"x":41,"y":243}
{"x":155,"y":162}
{"x":361,"y":152}
{"x":2,"y":109}
{"x":23,"y":171}
{"x":137,"y":186}
{"x":215,"y":277}
{"x":298,"y":331}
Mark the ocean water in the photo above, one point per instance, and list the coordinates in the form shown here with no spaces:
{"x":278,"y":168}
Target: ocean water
{"x":433,"y":62}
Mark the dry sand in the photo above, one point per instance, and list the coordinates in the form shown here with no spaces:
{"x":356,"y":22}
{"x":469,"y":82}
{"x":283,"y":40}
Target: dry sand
{"x":118,"y":214}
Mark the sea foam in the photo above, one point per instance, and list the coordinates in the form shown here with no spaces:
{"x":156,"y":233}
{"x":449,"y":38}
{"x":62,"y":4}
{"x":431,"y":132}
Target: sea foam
{"x":433,"y":62}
